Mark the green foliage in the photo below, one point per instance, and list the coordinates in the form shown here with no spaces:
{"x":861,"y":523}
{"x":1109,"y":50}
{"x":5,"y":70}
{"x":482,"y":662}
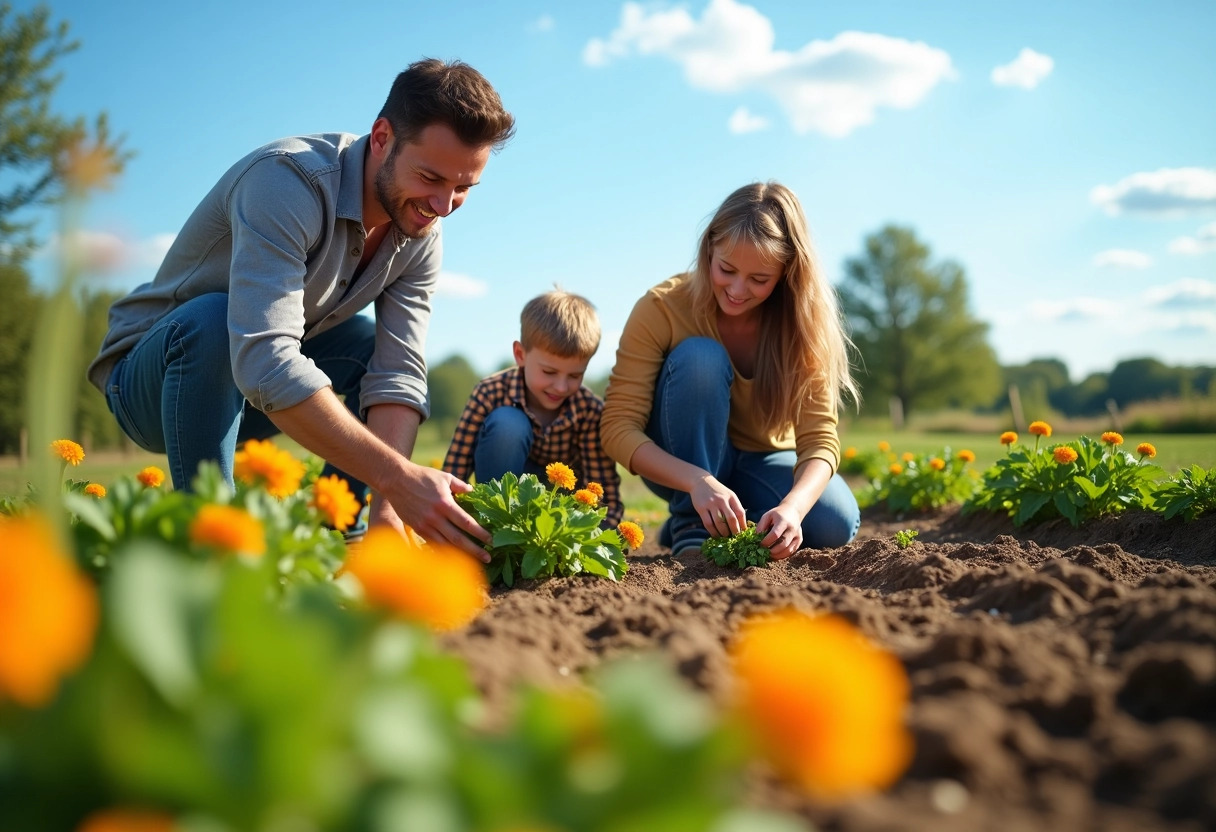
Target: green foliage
{"x":1031,"y":486}
{"x":919,"y":341}
{"x":903,"y":538}
{"x":541,"y":532}
{"x":923,"y":482}
{"x":740,"y":550}
{"x":863,"y":463}
{"x":449,"y":384}
{"x":18,"y":314}
{"x":1189,"y":494}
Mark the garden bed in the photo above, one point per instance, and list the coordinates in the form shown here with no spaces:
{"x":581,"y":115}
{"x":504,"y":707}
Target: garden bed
{"x":1061,"y":678}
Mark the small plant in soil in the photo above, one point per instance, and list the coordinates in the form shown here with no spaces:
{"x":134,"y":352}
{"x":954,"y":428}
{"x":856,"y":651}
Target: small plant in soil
{"x":1190,"y":493}
{"x":903,"y":538}
{"x":740,"y":550}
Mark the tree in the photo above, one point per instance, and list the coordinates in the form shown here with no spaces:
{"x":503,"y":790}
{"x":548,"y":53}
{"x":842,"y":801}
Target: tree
{"x":918,"y":340}
{"x":449,"y":384}
{"x":18,"y":312}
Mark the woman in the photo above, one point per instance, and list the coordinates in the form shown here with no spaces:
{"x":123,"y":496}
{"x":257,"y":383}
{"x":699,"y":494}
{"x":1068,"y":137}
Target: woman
{"x":727,"y":379}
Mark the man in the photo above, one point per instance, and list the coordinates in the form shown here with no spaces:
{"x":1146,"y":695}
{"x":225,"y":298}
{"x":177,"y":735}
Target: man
{"x":250,"y":328}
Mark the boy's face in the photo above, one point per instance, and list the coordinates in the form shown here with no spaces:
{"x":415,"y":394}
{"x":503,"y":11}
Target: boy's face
{"x":548,"y":379}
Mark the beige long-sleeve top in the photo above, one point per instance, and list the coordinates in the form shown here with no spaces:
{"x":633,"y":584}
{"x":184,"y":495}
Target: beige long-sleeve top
{"x":660,"y":320}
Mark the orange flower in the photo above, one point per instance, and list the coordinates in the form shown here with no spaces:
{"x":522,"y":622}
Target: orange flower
{"x":1008,"y":437}
{"x":908,"y":456}
{"x":884,"y":446}
{"x":1040,"y":428}
{"x":824,"y":703}
{"x":560,"y":475}
{"x":95,"y":489}
{"x":436,"y":585}
{"x":966,"y":455}
{"x":1146,"y":449}
{"x":1110,"y":437}
{"x":896,"y":469}
{"x":1064,"y":455}
{"x":632,"y":533}
{"x":68,"y":451}
{"x":596,"y":489}
{"x":333,"y":498}
{"x":48,"y":611}
{"x":151,"y":476}
{"x":587,"y":497}
{"x":850,"y":452}
{"x":229,"y":528}
{"x":127,"y":820}
{"x":937,"y":463}
{"x":261,"y":463}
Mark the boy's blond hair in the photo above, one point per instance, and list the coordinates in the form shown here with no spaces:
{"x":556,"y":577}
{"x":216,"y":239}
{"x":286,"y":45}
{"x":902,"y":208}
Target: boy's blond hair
{"x":562,"y":323}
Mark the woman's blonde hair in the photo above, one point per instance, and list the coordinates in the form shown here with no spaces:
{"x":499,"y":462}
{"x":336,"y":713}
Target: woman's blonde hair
{"x":803,"y":351}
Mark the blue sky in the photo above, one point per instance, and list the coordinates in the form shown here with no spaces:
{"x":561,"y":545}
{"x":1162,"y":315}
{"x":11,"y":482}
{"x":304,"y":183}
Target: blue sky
{"x":1063,"y":152}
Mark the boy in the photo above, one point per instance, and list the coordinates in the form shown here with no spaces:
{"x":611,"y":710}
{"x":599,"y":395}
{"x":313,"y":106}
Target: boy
{"x":538,"y":412}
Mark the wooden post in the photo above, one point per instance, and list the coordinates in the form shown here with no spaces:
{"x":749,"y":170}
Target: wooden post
{"x":1015,"y":405}
{"x":1112,"y":407}
{"x":896,"y":405}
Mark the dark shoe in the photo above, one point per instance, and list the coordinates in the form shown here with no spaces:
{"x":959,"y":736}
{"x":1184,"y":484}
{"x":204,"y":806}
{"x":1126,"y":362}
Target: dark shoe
{"x":665,"y":533}
{"x":688,"y":540}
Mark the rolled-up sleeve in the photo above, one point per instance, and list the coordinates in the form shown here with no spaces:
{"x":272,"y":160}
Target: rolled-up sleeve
{"x":270,"y":243}
{"x":629,"y":398}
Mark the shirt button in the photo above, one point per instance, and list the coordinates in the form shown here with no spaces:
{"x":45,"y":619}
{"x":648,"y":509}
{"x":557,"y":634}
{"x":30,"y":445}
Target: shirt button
{"x":269,"y":408}
{"x":356,"y":251}
{"x":342,"y":283}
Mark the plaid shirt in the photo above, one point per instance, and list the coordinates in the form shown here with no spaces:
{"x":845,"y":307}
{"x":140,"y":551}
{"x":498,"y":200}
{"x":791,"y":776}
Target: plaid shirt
{"x":573,"y":437}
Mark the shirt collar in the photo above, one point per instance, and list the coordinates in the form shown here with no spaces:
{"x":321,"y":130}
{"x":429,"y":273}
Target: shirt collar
{"x":350,"y":190}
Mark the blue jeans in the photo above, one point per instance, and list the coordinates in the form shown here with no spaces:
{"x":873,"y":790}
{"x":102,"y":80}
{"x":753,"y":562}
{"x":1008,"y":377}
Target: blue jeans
{"x":173,"y":393}
{"x":503,"y":445}
{"x":688,"y":421}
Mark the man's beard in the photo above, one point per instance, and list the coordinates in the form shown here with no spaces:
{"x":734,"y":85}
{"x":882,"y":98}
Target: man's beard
{"x":390,"y":199}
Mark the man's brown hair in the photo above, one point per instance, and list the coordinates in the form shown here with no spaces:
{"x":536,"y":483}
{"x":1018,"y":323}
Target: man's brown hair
{"x":454,"y":94}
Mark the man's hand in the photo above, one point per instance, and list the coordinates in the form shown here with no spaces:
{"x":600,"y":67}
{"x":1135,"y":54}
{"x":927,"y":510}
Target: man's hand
{"x":424,"y":499}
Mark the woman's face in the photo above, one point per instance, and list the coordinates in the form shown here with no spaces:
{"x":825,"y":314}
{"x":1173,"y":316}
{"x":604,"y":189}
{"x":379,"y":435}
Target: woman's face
{"x":742,"y":278}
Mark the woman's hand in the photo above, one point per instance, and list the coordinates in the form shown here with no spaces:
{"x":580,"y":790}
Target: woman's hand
{"x":783,"y":525}
{"x":718,"y":507}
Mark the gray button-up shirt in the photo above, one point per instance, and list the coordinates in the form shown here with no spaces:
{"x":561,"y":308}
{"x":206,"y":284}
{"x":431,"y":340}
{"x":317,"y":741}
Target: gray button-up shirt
{"x":282,"y":234}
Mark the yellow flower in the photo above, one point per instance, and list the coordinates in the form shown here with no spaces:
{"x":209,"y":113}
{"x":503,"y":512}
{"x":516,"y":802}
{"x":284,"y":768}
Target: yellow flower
{"x":95,"y":489}
{"x":1064,"y":455}
{"x":632,"y":533}
{"x":1040,"y":428}
{"x":127,"y":820}
{"x":332,"y":497}
{"x":560,"y":475}
{"x":937,"y":463}
{"x":850,"y":452}
{"x":68,"y":451}
{"x":229,"y":528}
{"x":596,"y":489}
{"x":824,"y":703}
{"x":884,"y":446}
{"x":436,"y":585}
{"x":587,"y":497}
{"x":1110,"y":437}
{"x":48,"y":611}
{"x":896,"y":468}
{"x":1008,"y":437}
{"x":151,"y":476}
{"x":966,"y":455}
{"x":261,"y":463}
{"x":1146,"y":449}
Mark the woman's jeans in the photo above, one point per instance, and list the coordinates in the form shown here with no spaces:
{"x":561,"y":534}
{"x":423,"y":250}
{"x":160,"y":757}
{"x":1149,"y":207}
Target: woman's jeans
{"x":688,"y":421}
{"x":173,"y":393}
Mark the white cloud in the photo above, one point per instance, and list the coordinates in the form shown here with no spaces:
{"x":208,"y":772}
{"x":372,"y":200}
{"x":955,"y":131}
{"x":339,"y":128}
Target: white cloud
{"x":1075,"y":309}
{"x":743,"y":121}
{"x":1163,"y":193}
{"x":1203,"y":242}
{"x":1186,"y":293}
{"x":103,"y":252}
{"x":831,"y":87}
{"x":544,"y":23}
{"x":1027,"y":70}
{"x":454,"y":285}
{"x":152,"y":251}
{"x":1122,"y":258}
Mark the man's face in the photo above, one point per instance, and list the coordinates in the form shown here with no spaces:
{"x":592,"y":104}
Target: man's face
{"x":427,"y":178}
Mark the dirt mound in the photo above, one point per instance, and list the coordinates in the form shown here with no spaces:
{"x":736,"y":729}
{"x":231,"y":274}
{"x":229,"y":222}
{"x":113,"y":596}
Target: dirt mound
{"x":1062,"y":678}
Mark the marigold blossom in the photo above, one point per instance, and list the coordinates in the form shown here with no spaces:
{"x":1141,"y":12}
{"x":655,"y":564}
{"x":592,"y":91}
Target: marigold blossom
{"x":966,"y":455}
{"x":908,"y":456}
{"x":127,"y":820}
{"x":560,"y":475}
{"x":151,"y":476}
{"x":596,"y":489}
{"x":632,"y":533}
{"x":333,"y":498}
{"x":229,"y":528}
{"x":884,"y":446}
{"x":67,"y":450}
{"x":896,"y":468}
{"x":1146,"y":449}
{"x":259,"y":462}
{"x":937,"y":463}
{"x":1008,"y":437}
{"x":48,"y":611}
{"x":824,"y":703}
{"x":1110,"y":437}
{"x":1040,"y":428}
{"x":850,"y":452}
{"x":95,"y":489}
{"x":587,"y":497}
{"x":436,"y":585}
{"x":1064,"y":455}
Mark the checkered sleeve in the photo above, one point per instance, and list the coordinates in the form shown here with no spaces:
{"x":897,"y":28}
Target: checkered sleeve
{"x":459,"y":459}
{"x":598,"y":465}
